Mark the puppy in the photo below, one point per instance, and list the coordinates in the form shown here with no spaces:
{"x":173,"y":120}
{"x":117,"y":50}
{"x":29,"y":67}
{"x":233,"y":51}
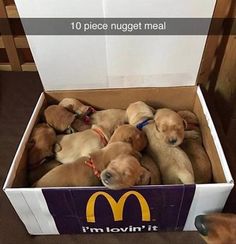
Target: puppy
{"x":35,"y":174}
{"x":170,"y":126}
{"x":130,"y":134}
{"x":60,"y":118}
{"x":40,"y":145}
{"x":71,"y":147}
{"x":148,"y":163}
{"x":85,"y":171}
{"x":217,"y":228}
{"x":83,"y":112}
{"x":109,"y":119}
{"x":75,"y":106}
{"x":139,"y":113}
{"x":193,"y":147}
{"x":123,"y":172}
{"x":173,"y":162}
{"x":191,"y":119}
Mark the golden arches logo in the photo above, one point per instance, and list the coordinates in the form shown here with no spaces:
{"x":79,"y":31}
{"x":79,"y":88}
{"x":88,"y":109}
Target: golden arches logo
{"x":117,"y":207}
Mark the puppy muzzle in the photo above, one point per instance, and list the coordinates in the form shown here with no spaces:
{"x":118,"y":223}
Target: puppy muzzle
{"x":106,"y":177}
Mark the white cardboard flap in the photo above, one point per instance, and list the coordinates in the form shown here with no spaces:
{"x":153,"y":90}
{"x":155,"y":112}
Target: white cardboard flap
{"x":77,"y":62}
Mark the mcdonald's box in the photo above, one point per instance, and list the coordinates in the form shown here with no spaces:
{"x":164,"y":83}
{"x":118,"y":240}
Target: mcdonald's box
{"x":111,"y":71}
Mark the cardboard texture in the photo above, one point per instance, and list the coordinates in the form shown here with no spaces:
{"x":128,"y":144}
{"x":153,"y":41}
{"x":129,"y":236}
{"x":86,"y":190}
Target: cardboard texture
{"x":153,"y":65}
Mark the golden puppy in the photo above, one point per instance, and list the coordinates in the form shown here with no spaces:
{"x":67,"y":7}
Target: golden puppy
{"x":85,"y":171}
{"x":170,"y":126}
{"x":200,"y":161}
{"x":37,"y":172}
{"x":192,"y":145}
{"x":191,"y":119}
{"x":60,"y":118}
{"x":173,"y":162}
{"x":75,"y":106}
{"x":71,"y":147}
{"x":217,"y":228}
{"x":123,"y":172}
{"x":109,"y":119}
{"x":148,"y":163}
{"x":83,"y":113}
{"x":130,"y":134}
{"x":139,"y":112}
{"x":40,"y":144}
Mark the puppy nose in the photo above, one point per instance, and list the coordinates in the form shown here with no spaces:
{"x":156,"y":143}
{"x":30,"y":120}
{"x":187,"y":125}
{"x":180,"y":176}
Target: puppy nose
{"x":200,"y":224}
{"x":172,"y":141}
{"x":108,"y":175}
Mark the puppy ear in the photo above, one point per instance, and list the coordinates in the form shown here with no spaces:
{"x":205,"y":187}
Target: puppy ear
{"x":156,"y":119}
{"x":144,"y":177}
{"x":136,"y":154}
{"x":185,"y":124}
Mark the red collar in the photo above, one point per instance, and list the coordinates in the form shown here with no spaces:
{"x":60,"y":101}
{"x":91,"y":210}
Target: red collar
{"x":192,"y":126}
{"x":86,"y":117}
{"x":101,"y":135}
{"x":91,"y":164}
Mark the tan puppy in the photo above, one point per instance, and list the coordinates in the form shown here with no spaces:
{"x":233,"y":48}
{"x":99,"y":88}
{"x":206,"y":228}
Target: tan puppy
{"x":40,"y":144}
{"x":192,"y":145}
{"x":130,"y":134}
{"x":191,"y":119}
{"x":86,"y":170}
{"x":70,"y":148}
{"x":83,"y":111}
{"x":173,"y":162}
{"x":217,"y":228}
{"x":60,"y":118}
{"x":75,"y":106}
{"x":109,"y":119}
{"x":123,"y":172}
{"x":138,"y":112}
{"x":170,"y":126}
{"x":36,"y":173}
{"x":148,"y":163}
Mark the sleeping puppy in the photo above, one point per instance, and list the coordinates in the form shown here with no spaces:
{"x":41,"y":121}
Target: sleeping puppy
{"x":170,"y":126}
{"x":139,"y":112}
{"x":191,"y":119}
{"x":217,"y":228}
{"x":173,"y":162}
{"x":109,"y":119}
{"x":83,"y":113}
{"x":123,"y":172}
{"x":40,"y":145}
{"x":130,"y":134}
{"x":86,"y":171}
{"x":35,"y":174}
{"x":193,"y":147}
{"x":71,"y":147}
{"x":60,"y":118}
{"x":148,"y":163}
{"x":75,"y":106}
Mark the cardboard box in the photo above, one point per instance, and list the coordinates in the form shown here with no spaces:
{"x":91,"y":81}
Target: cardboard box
{"x":125,"y":77}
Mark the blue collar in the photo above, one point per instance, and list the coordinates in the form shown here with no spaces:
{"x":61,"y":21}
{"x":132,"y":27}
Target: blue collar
{"x":142,"y":124}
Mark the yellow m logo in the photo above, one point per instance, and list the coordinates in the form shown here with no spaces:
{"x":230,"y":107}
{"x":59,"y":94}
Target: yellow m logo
{"x":117,"y":207}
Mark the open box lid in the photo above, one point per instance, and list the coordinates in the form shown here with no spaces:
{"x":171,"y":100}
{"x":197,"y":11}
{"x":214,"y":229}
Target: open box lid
{"x":102,"y":61}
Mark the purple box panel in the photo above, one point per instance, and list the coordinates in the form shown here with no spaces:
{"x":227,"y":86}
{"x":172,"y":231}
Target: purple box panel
{"x":138,"y":209}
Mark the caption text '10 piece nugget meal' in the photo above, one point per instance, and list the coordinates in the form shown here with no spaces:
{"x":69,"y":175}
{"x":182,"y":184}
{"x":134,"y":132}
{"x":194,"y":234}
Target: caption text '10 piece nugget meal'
{"x":76,"y":145}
